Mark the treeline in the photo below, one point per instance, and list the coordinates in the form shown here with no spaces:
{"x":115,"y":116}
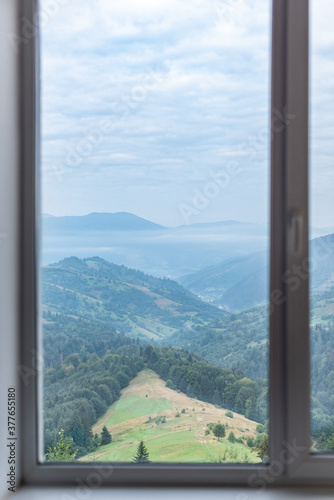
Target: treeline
{"x":198,"y":378}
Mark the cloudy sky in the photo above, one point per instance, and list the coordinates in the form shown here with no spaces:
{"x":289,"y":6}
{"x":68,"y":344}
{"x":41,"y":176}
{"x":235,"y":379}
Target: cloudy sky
{"x":322,"y":113}
{"x":161,"y":108}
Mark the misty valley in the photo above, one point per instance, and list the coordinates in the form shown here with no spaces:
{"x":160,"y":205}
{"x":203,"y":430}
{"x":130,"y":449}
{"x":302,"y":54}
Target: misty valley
{"x":155,"y":340}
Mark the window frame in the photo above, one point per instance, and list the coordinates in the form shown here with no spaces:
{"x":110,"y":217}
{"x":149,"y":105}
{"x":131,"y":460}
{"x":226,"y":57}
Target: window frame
{"x":289,"y":332}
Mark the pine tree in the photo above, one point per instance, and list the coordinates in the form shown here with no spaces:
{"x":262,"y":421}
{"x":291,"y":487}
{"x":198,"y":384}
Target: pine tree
{"x":142,"y":454}
{"x":231,"y":437}
{"x":105,"y":436}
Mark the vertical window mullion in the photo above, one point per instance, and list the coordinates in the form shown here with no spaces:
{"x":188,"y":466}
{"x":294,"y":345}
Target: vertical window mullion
{"x":289,"y":302}
{"x":277,"y":406}
{"x":296,"y":230}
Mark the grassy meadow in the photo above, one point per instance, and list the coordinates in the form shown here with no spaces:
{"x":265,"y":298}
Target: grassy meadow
{"x":173,"y":426}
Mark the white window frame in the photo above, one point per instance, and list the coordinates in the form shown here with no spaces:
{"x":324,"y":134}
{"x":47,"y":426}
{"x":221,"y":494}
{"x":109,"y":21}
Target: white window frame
{"x":289,"y":330}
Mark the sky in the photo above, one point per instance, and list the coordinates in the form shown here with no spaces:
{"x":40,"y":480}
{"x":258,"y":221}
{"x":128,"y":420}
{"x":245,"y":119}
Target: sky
{"x":322,"y":113}
{"x":161,"y":108}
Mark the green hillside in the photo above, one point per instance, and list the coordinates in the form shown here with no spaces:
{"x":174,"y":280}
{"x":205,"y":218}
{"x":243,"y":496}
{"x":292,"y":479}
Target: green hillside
{"x":128,"y":300}
{"x":147,"y":410}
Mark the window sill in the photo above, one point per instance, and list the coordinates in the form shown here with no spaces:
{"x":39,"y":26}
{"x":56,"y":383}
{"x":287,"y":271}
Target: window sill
{"x":30,"y":493}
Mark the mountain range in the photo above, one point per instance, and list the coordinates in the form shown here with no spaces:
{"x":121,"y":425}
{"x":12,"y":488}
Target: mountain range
{"x":224,"y":263}
{"x":120,"y":221}
{"x":126,"y":239}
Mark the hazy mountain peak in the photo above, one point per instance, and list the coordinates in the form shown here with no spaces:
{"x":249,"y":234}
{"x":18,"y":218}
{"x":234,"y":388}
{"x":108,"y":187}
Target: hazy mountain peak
{"x":99,"y":221}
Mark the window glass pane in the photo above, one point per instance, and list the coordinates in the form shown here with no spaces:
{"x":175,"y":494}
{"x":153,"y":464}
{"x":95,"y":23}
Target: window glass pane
{"x":322,"y":225}
{"x":155,"y":191}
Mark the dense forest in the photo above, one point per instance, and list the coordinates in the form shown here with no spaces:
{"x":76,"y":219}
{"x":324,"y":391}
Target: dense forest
{"x":237,"y":341}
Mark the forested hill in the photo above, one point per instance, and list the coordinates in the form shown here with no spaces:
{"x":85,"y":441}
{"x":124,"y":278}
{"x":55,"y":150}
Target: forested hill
{"x":87,"y":365}
{"x":238,"y":341}
{"x":158,"y":310}
{"x":131,"y":301}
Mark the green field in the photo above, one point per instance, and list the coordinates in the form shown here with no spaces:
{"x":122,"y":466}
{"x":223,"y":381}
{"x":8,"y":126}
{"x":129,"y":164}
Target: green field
{"x":136,"y":416}
{"x":135,"y":406}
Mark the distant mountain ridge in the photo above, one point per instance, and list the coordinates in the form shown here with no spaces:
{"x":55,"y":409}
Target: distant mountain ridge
{"x":96,"y":221}
{"x":129,"y":221}
{"x":224,"y":263}
{"x":126,"y":239}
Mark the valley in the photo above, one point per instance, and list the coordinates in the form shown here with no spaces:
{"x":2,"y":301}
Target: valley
{"x":154,"y":359}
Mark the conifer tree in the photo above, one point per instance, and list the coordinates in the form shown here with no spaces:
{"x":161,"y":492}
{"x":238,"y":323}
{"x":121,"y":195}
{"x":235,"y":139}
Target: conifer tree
{"x":105,"y":436}
{"x":231,"y":437}
{"x":142,"y":454}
